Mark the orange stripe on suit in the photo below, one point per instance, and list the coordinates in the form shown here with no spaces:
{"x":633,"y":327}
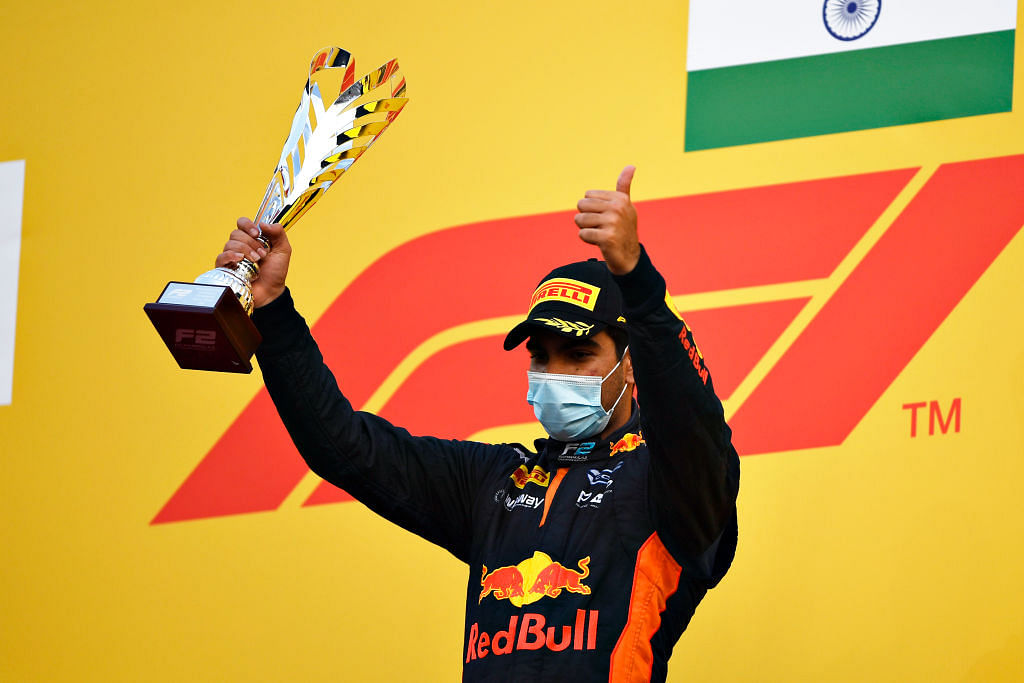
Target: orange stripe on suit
{"x":655,"y":578}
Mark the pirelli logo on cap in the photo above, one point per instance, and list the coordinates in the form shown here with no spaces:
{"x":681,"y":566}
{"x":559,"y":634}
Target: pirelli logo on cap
{"x":570,"y":291}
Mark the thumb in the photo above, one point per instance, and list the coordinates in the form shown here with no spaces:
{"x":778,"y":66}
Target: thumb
{"x":274,"y":232}
{"x":625,"y":179}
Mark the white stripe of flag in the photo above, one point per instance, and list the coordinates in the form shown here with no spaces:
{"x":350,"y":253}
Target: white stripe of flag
{"x":751,"y":31}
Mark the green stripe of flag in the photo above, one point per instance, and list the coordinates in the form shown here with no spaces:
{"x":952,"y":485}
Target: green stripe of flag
{"x":883,"y":86}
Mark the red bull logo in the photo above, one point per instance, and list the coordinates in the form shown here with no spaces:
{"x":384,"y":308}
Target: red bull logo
{"x":505,"y":582}
{"x":522,"y":476}
{"x":531,"y":634}
{"x":534,"y":578}
{"x":627,"y":443}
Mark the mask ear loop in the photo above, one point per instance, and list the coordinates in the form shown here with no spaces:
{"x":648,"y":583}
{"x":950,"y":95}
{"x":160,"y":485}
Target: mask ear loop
{"x":624,"y":383}
{"x":616,"y":365}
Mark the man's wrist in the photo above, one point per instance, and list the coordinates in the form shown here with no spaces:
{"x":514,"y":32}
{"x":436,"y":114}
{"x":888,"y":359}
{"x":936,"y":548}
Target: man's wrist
{"x":627,"y":264}
{"x":280,"y":324}
{"x":271,"y":298}
{"x":642,"y":287}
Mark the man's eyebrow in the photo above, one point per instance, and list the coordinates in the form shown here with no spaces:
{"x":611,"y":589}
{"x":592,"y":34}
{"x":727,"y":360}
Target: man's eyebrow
{"x":566,"y":344}
{"x":576,"y":343}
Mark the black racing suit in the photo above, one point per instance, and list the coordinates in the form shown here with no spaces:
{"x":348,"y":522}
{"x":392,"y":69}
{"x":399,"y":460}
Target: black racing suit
{"x":586,"y":560}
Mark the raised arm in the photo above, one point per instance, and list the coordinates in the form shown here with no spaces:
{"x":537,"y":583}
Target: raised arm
{"x":424,"y":484}
{"x":694,"y":473}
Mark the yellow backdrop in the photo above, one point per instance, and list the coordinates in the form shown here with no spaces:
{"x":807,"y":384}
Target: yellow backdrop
{"x":147,"y":129}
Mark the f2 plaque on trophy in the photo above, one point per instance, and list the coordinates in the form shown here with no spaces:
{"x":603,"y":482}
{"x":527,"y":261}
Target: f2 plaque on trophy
{"x":205,"y":324}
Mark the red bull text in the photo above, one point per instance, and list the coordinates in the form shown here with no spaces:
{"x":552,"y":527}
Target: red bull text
{"x":532,"y":633}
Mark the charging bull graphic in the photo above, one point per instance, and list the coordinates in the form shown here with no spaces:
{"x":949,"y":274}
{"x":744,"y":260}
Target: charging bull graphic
{"x":506,"y":583}
{"x":544,"y":576}
{"x":554,"y":577}
{"x":627,"y":443}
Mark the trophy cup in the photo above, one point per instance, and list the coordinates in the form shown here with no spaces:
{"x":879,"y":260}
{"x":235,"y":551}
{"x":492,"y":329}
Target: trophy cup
{"x":205,"y":323}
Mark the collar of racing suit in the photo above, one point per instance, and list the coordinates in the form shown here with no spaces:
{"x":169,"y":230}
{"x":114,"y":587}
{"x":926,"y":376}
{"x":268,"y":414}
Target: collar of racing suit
{"x":622,"y":440}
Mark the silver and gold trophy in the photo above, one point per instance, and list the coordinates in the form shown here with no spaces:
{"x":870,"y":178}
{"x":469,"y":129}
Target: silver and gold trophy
{"x":205,"y":323}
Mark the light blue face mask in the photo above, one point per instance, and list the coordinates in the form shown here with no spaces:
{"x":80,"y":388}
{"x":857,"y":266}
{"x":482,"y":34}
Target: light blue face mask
{"x":569,"y":406}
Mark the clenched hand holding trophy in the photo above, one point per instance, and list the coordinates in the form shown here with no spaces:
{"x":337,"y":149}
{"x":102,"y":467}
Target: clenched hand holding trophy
{"x":205,"y":323}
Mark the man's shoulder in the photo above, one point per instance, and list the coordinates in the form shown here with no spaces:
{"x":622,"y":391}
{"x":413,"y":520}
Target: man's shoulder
{"x":517,"y":453}
{"x":504,"y":455}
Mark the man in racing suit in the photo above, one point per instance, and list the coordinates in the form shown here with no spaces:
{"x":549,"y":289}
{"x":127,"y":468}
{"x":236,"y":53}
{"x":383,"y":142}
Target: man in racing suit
{"x":587,"y":557}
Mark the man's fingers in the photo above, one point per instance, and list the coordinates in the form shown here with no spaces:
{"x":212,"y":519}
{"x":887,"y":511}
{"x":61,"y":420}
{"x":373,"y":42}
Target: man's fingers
{"x":274,"y":232}
{"x":246,"y":225}
{"x":272,"y":229}
{"x":228,"y":258}
{"x":625,"y":179}
{"x":239,"y":240}
{"x":622,"y":186}
{"x":247,"y":246}
{"x":592,"y":205}
{"x":589,"y":220}
{"x":591,"y":236}
{"x":243,"y":236}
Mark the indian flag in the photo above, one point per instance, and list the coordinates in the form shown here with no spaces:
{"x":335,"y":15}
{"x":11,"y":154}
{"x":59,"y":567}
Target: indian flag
{"x":760,"y":71}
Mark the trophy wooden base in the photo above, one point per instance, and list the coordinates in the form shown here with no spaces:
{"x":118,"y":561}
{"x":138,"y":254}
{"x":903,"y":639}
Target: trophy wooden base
{"x":204,"y":327}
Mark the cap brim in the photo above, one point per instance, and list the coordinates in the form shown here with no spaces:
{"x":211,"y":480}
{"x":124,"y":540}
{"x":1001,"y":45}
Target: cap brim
{"x":570,"y":328}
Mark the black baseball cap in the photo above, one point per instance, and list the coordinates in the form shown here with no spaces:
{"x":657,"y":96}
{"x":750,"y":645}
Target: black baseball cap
{"x":577,"y":300}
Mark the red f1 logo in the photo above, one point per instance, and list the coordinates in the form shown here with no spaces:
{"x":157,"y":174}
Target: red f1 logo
{"x":883,"y":307}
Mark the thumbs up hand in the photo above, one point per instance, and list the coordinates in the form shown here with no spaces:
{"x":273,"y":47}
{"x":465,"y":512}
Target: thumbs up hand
{"x":607,"y":219}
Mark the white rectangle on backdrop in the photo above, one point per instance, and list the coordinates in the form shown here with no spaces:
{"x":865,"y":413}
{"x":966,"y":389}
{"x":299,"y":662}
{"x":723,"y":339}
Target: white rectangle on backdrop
{"x":12,"y":195}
